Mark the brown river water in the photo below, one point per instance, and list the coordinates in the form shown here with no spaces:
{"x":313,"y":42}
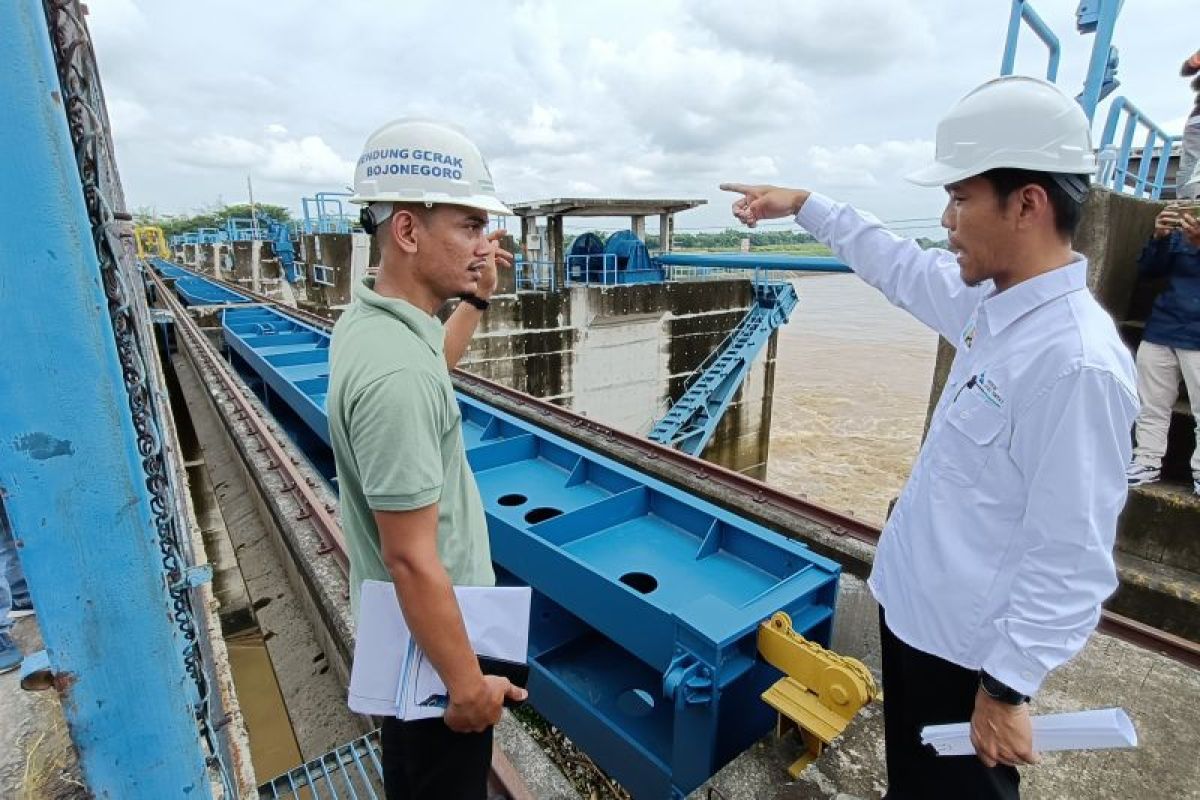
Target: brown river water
{"x":852,"y":379}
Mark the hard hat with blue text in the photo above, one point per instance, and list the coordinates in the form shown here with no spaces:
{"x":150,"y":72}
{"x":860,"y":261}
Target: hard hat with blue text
{"x":424,"y":161}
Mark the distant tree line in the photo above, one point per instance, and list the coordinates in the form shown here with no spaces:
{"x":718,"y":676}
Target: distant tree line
{"x":728,"y":239}
{"x":209,"y":218}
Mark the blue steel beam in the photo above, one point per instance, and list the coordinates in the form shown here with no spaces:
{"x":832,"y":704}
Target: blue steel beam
{"x":692,"y":421}
{"x":73,"y":477}
{"x":193,"y":288}
{"x":646,"y":598}
{"x":772,"y":261}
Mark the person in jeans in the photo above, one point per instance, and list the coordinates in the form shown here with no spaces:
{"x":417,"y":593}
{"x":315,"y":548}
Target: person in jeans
{"x":1170,"y":347}
{"x":14,"y":597}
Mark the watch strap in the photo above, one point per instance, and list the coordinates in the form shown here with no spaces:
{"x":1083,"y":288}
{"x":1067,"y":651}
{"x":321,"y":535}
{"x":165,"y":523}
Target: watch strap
{"x":1000,"y":691}
{"x":477,"y":302}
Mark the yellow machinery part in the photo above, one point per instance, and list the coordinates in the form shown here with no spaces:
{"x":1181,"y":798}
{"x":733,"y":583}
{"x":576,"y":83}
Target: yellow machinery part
{"x":822,"y":691}
{"x":151,"y":241}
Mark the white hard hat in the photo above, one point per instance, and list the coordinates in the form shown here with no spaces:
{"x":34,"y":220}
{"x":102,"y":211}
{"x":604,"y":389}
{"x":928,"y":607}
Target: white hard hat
{"x":424,"y":161}
{"x":1014,"y":122}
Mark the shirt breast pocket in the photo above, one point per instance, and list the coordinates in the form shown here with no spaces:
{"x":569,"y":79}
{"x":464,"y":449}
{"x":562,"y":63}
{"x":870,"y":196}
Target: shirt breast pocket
{"x":972,"y":435}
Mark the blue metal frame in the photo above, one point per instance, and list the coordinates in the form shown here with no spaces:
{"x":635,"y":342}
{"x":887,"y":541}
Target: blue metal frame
{"x":1097,"y":17}
{"x":643,"y":644}
{"x":1156,"y":148}
{"x":775,"y":262}
{"x":534,"y":275}
{"x":1022,"y":11}
{"x":293,"y":359}
{"x":193,"y":288}
{"x":692,"y":421}
{"x":321,"y":221}
{"x":70,"y":467}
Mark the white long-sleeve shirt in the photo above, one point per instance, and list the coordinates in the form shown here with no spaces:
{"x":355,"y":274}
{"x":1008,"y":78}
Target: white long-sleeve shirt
{"x":999,"y":551}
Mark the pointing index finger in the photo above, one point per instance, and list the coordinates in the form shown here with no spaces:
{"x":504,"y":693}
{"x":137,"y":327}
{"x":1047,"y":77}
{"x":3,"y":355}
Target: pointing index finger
{"x":741,"y":188}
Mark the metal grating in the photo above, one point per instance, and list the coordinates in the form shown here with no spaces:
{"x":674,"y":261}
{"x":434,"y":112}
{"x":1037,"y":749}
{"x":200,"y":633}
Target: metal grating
{"x":351,"y":771}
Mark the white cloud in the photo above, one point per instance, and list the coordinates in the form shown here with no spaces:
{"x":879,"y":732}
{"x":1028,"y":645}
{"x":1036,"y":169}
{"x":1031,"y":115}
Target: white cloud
{"x":689,"y":98}
{"x":307,"y":160}
{"x":665,"y":98}
{"x":542,"y":131}
{"x":867,"y":166}
{"x":822,"y":36}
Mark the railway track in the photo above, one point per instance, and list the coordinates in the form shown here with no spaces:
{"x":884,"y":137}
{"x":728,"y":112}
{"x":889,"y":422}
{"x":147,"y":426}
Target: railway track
{"x":1116,"y":625}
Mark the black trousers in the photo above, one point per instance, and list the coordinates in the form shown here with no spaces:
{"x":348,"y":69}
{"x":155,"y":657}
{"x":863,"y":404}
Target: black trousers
{"x":920,"y":689}
{"x":425,"y":760}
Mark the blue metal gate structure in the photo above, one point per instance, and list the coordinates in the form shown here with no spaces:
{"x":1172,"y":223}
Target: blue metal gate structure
{"x":647,"y":600}
{"x":193,"y":288}
{"x":693,"y":419}
{"x":86,"y":471}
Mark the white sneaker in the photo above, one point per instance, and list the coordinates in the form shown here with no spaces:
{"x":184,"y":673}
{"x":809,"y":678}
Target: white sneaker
{"x":1139,"y":474}
{"x":1196,"y":487}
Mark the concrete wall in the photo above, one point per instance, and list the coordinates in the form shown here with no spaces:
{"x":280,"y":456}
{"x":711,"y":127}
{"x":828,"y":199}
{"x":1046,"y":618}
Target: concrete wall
{"x":621,"y":355}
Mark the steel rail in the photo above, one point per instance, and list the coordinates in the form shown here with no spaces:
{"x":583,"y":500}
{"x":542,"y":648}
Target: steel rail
{"x":303,"y":488}
{"x":767,"y":497}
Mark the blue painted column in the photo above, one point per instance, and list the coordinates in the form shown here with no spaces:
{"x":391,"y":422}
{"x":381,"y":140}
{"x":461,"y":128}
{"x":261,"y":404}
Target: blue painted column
{"x":75,"y":485}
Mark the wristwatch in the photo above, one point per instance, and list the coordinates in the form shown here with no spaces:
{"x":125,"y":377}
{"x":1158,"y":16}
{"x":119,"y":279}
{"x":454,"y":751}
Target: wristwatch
{"x":996,"y":690}
{"x":478,"y":302}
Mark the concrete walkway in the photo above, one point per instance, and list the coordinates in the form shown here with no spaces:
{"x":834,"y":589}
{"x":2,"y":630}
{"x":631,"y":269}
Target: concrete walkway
{"x":37,"y":759}
{"x":1161,"y":696}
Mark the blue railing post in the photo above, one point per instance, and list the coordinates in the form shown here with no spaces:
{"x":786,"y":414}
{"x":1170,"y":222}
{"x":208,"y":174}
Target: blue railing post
{"x":1121,"y":107}
{"x":1099,"y":16}
{"x":1022,"y":11}
{"x":75,"y":484}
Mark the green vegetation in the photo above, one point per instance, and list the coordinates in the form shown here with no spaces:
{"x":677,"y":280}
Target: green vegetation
{"x":785,"y":242}
{"x":214,"y":217}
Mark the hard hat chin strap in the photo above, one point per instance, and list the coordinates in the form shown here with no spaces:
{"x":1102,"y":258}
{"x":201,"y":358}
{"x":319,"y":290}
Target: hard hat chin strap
{"x":1076,"y":186}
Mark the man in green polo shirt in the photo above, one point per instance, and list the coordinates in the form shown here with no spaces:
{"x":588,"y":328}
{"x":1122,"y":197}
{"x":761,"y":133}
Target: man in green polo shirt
{"x":411,"y":511}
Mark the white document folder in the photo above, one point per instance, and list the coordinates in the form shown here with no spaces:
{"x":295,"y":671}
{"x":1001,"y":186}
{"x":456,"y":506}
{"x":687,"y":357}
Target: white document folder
{"x":390,"y":675}
{"x":1102,"y":729}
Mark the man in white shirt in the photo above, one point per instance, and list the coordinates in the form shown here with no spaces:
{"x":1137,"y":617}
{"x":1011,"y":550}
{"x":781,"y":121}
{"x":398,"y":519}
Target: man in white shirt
{"x":992,"y":567}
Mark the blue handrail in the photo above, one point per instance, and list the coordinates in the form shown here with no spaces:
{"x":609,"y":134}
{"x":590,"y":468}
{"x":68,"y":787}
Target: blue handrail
{"x":1022,"y":11}
{"x":1157,"y":147}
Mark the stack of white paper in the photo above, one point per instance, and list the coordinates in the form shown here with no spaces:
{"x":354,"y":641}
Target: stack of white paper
{"x":392,"y":677}
{"x":1102,"y":729}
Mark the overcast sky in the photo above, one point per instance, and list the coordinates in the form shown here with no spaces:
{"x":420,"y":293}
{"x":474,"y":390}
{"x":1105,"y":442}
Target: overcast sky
{"x":607,"y":98}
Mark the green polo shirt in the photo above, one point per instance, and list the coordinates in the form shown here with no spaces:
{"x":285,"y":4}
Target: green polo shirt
{"x":397,"y":437}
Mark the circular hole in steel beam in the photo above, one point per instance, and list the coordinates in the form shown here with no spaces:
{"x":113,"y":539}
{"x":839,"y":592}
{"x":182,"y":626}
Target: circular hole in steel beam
{"x":542,"y":514}
{"x":635,"y":702}
{"x":640,"y":581}
{"x":513,"y":500}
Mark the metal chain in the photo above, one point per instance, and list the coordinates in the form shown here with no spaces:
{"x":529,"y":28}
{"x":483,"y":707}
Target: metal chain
{"x":87,"y":118}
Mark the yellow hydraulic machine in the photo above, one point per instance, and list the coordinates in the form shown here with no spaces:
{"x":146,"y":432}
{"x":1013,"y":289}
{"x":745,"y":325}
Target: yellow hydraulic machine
{"x":151,"y":241}
{"x":822,"y":691}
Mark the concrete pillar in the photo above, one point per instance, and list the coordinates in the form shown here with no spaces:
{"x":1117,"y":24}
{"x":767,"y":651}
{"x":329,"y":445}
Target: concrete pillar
{"x":360,"y":257}
{"x":637,"y":224}
{"x":666,"y":230}
{"x":528,"y":229}
{"x":256,"y":266}
{"x":554,"y":248}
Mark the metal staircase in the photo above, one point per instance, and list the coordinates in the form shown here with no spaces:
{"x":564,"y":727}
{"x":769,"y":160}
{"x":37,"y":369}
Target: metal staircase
{"x":692,"y":421}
